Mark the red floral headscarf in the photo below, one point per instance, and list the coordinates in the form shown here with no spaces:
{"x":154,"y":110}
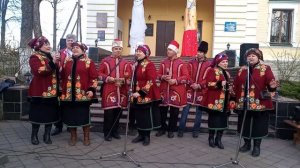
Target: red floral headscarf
{"x":38,"y":42}
{"x":81,"y":45}
{"x":218,"y":58}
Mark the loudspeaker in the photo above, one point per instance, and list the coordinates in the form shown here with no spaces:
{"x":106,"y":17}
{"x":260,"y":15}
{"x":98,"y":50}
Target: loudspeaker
{"x":243,"y":48}
{"x":62,"y":43}
{"x":94,"y":53}
{"x":231,"y":57}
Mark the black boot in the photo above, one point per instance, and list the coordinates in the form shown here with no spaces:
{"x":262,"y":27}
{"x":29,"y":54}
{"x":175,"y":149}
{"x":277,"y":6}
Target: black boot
{"x":170,"y":134}
{"x":180,"y":133}
{"x":256,"y":147}
{"x":218,"y":140}
{"x":146,"y":141}
{"x":247,"y":146}
{"x":211,"y":141}
{"x":34,"y":134}
{"x":47,"y":137}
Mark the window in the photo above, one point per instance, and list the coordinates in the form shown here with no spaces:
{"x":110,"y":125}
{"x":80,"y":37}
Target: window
{"x":199,"y":33}
{"x":281,"y":27}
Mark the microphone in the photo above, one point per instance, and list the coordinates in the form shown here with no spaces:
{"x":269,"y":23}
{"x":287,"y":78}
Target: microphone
{"x":248,"y":63}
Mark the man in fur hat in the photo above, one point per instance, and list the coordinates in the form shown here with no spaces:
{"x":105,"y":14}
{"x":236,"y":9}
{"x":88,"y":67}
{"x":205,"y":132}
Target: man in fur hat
{"x":195,"y":88}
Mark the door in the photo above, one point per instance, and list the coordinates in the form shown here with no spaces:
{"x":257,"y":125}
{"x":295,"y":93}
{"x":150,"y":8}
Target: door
{"x":165,"y":31}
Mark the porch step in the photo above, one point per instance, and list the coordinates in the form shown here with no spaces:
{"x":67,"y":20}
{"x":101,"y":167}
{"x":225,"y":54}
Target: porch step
{"x":97,"y":115}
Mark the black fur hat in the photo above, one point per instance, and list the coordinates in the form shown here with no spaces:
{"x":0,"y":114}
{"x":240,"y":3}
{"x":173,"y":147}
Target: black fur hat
{"x":203,"y":46}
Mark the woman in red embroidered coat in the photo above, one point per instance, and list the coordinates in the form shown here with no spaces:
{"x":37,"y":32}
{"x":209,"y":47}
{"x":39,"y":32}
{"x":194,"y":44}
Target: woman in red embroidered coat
{"x":145,"y":95}
{"x":79,"y":82}
{"x":173,"y":74}
{"x":43,"y":89}
{"x":114,"y":72}
{"x":217,"y":99}
{"x":257,"y":118}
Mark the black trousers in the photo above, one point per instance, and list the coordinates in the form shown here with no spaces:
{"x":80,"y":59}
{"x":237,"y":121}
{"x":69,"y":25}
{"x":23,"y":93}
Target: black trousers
{"x":111,"y":120}
{"x":172,"y":124}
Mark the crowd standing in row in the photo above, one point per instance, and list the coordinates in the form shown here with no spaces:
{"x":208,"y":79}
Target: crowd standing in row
{"x":64,"y":86}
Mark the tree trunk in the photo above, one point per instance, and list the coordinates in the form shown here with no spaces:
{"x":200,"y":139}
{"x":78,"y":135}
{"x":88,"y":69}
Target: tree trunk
{"x":36,"y":18}
{"x":27,"y":22}
{"x":54,"y":24}
{"x":4,"y":4}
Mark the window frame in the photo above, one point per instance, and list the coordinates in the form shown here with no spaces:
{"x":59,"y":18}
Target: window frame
{"x":290,"y":27}
{"x":273,"y":5}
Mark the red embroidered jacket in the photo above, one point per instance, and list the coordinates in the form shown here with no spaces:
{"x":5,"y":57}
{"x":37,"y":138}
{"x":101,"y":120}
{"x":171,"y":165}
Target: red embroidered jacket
{"x":145,"y":82}
{"x":78,"y":76}
{"x":173,"y":95}
{"x":217,"y":97}
{"x":197,"y":71}
{"x":260,"y":78}
{"x":114,"y":96}
{"x":44,"y":83}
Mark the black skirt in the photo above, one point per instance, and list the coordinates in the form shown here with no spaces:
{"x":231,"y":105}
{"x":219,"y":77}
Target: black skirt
{"x":147,"y":116}
{"x":43,"y":110}
{"x":256,"y":124}
{"x":76,"y":114}
{"x":217,"y":120}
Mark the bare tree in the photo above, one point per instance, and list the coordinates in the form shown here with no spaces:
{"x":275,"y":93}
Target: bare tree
{"x":12,"y":6}
{"x":37,"y":29}
{"x":288,"y":64}
{"x":27,"y":22}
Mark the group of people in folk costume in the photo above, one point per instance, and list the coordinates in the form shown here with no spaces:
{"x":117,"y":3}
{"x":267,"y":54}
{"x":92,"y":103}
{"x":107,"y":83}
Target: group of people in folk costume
{"x":64,"y":86}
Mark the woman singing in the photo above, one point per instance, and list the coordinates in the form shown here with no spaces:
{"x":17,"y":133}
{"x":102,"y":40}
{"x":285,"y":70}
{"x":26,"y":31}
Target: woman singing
{"x":79,"y":82}
{"x":262,"y":83}
{"x":217,"y":99}
{"x":145,"y":95}
{"x":43,"y":89}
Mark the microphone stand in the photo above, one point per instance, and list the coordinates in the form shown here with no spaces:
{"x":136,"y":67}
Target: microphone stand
{"x":125,"y":151}
{"x":235,"y":160}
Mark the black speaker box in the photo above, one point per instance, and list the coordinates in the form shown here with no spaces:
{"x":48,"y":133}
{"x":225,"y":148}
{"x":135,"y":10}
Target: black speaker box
{"x":94,"y":53}
{"x":231,"y":57}
{"x":243,"y":48}
{"x":62,"y":43}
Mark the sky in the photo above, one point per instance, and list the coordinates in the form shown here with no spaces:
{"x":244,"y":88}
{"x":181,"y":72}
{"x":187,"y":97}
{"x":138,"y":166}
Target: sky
{"x":65,"y":9}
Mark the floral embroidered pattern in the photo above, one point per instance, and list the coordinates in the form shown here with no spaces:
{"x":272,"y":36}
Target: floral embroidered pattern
{"x":218,"y":72}
{"x":219,"y":104}
{"x":254,"y":103}
{"x":51,"y":92}
{"x":42,"y":59}
{"x":79,"y":94}
{"x":144,"y":65}
{"x":147,"y":86}
{"x":262,"y":69}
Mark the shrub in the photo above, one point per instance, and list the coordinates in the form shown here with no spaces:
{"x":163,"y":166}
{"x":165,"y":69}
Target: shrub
{"x":290,"y":89}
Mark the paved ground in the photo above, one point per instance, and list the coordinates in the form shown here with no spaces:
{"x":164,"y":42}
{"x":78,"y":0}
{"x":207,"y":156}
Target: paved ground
{"x":185,"y":152}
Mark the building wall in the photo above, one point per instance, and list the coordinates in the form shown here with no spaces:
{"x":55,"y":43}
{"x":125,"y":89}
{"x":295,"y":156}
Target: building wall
{"x":169,"y":11}
{"x":264,"y":28}
{"x":101,"y":6}
{"x":244,"y":13}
